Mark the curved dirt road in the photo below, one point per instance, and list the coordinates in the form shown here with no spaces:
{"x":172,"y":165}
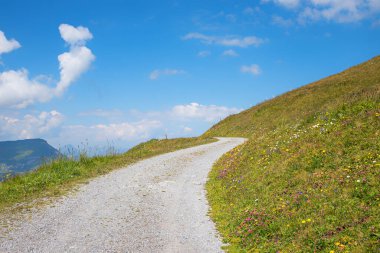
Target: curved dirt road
{"x":156,"y":205}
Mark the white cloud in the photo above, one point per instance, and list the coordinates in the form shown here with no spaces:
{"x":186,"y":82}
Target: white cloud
{"x":285,"y":3}
{"x":153,"y":124}
{"x":288,"y":3}
{"x":250,"y":10}
{"x":30,"y":125}
{"x":280,"y":21}
{"x":376,"y":23}
{"x":187,"y":129}
{"x":75,"y":62}
{"x":18,"y":90}
{"x":230,"y":53}
{"x":186,"y":112}
{"x":204,"y":53}
{"x":374,"y":5}
{"x":231,"y":41}
{"x":49,"y":126}
{"x":101,"y":133}
{"x":155,"y":74}
{"x":253,"y":69}
{"x":204,"y":112}
{"x":72,"y":64}
{"x":340,"y":11}
{"x":102,"y":113}
{"x":6,"y":45}
{"x":74,"y":35}
{"x":121,"y":131}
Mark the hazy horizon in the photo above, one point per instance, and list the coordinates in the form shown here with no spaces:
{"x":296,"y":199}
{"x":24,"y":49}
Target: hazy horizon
{"x":127,"y":71}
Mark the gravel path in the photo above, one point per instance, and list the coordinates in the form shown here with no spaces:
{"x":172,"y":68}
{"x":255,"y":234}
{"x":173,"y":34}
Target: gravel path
{"x":156,"y":205}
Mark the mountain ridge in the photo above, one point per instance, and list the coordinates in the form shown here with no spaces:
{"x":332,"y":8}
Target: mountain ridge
{"x":24,"y":155}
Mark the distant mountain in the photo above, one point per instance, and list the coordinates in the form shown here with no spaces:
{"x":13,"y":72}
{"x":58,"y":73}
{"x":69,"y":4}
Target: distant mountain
{"x":24,"y":155}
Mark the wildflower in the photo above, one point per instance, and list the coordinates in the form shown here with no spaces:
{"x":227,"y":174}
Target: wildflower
{"x":331,"y":251}
{"x":309,"y":220}
{"x":358,"y":181}
{"x":303,"y":221}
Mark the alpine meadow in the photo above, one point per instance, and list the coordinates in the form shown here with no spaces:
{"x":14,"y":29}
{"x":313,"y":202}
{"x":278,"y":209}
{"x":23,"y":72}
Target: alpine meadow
{"x":307,"y":180}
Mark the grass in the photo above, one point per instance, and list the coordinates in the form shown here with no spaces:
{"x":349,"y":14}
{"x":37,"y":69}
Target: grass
{"x":308,"y":178}
{"x":63,"y":174}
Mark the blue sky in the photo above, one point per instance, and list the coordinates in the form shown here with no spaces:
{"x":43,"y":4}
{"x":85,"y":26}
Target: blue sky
{"x":126,"y":71}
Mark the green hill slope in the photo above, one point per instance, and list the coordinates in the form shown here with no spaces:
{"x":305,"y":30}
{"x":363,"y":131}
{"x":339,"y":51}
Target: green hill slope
{"x":307,"y":180}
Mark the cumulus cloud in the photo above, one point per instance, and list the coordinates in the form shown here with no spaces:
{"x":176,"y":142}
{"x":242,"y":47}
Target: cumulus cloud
{"x":101,"y":133}
{"x":30,"y":125}
{"x":155,"y":74}
{"x":230,"y":41}
{"x":340,"y":11}
{"x":72,"y":64}
{"x":376,"y":23}
{"x":204,"y":112}
{"x":250,"y":10}
{"x":74,"y":35}
{"x":122,"y":130}
{"x":285,"y":3}
{"x":204,"y":53}
{"x":49,"y":125}
{"x":6,"y":45}
{"x":186,"y":112}
{"x":253,"y":69}
{"x":18,"y":90}
{"x":374,"y":5}
{"x":347,"y":11}
{"x":280,"y":21}
{"x":230,"y":53}
{"x":102,"y":113}
{"x":187,"y":129}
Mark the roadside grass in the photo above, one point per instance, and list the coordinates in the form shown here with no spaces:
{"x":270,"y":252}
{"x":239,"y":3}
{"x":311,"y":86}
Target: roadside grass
{"x":308,"y":178}
{"x":63,"y":174}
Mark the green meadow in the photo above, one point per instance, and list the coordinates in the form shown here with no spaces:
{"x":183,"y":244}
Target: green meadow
{"x":308,"y":178}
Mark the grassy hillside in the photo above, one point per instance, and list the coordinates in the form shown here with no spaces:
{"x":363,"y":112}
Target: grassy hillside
{"x":308,"y":178}
{"x":63,"y":174}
